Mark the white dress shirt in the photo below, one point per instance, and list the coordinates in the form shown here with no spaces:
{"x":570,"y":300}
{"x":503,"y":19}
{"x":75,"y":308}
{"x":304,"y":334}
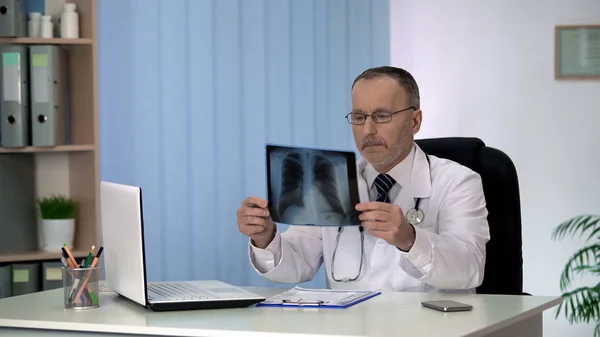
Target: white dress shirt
{"x":448,"y":253}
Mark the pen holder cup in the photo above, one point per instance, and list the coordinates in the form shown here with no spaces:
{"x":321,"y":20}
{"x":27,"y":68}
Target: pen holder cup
{"x":81,"y":287}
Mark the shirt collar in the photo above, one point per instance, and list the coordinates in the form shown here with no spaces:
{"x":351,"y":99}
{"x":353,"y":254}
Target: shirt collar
{"x":401,"y":172}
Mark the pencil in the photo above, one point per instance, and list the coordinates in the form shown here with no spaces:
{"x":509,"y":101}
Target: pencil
{"x":70,"y":255}
{"x":70,"y":262}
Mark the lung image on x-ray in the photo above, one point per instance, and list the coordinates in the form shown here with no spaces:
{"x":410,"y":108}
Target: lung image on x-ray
{"x":312,"y":186}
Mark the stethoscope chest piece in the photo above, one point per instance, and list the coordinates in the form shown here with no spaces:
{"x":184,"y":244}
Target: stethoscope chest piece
{"x":415,"y":216}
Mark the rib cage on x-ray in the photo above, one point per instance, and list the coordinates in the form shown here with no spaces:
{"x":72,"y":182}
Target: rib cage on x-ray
{"x":325,"y":180}
{"x":303,"y":172}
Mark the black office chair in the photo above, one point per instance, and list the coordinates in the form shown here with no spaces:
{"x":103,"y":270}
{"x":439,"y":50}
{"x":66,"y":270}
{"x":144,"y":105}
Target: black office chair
{"x":504,"y":261}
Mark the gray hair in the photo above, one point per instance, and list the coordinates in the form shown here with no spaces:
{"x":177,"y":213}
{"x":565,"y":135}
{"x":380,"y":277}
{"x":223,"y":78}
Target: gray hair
{"x":403,"y":77}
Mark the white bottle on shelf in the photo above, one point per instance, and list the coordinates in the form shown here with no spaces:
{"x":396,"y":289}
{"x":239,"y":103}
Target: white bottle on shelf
{"x":34,"y":26}
{"x":47,"y":27}
{"x":69,"y":22}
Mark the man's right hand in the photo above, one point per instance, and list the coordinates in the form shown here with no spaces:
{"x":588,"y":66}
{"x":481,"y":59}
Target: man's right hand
{"x":255,"y":222}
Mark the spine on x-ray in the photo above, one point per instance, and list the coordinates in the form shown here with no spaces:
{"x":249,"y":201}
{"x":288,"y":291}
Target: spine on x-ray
{"x":292,"y":178}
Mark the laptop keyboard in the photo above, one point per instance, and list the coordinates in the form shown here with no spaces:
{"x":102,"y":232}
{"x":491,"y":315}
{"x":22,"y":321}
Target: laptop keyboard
{"x":179,"y":291}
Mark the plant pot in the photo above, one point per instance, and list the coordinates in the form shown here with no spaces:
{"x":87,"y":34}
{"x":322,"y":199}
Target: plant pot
{"x":56,"y":232}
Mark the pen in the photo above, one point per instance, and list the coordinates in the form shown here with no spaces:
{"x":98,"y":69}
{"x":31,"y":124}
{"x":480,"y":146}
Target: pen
{"x":89,"y":257}
{"x":94,"y":262}
{"x":302,"y":303}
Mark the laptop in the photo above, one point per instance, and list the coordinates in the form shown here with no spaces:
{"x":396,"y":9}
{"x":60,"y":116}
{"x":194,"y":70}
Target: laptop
{"x":125,"y":261}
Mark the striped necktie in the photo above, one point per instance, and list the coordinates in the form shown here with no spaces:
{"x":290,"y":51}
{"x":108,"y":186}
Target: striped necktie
{"x":383,"y":184}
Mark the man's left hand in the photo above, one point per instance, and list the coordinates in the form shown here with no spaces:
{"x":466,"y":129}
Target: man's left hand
{"x":386,"y":221}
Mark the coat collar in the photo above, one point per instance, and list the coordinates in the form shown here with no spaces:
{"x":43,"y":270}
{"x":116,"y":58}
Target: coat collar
{"x":420,"y":175}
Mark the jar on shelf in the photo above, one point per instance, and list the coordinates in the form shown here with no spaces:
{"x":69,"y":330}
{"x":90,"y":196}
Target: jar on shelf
{"x":47,"y":27}
{"x":69,"y":22}
{"x":34,"y":24}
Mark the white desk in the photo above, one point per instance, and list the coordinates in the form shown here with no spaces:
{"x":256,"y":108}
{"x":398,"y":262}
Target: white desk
{"x":389,"y":314}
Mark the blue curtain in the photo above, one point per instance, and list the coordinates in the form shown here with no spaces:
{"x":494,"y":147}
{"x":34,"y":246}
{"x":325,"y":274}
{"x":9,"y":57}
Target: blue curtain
{"x":192,"y":90}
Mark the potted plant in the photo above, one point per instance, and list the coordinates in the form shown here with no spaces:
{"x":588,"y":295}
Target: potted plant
{"x":57,"y":213}
{"x":581,"y":305}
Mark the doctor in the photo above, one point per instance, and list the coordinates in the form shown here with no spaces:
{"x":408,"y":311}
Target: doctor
{"x":424,"y":219}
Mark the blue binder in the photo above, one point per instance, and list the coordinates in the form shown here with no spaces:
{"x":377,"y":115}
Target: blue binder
{"x":318,"y":298}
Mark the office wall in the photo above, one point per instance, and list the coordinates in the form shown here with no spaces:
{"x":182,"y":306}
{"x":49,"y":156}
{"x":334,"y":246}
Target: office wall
{"x":190,"y":93}
{"x":486,"y":70}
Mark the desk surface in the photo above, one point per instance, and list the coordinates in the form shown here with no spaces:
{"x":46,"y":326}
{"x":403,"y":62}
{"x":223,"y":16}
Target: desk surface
{"x":388,"y":314}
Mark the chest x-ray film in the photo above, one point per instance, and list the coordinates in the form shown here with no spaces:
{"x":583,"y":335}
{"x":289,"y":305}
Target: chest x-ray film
{"x":312,"y":186}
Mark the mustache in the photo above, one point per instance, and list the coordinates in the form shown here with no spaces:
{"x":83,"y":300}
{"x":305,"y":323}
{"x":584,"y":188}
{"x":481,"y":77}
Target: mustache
{"x":371,"y":140}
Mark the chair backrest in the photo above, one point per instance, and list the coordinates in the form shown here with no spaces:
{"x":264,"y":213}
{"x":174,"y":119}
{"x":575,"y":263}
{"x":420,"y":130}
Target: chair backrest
{"x":504,"y":260}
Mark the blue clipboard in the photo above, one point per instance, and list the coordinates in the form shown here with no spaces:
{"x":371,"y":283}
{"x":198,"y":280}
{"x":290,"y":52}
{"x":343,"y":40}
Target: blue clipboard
{"x":318,"y":298}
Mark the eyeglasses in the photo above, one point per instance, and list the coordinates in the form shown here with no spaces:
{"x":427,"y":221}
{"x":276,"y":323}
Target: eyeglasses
{"x":380,"y":116}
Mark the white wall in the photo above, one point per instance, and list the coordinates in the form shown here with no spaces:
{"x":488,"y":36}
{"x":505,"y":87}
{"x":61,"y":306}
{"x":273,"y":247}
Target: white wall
{"x":485,"y":69}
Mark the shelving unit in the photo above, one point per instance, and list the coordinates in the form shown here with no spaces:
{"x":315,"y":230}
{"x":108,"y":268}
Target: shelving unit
{"x":73,"y":169}
{"x":58,"y":148}
{"x":57,"y":41}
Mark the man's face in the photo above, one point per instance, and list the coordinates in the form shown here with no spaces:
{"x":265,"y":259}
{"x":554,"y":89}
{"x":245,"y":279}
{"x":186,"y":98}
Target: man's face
{"x":384,"y":145}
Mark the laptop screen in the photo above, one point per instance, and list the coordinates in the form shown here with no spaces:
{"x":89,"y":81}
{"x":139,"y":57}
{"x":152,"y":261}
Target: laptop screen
{"x":123,"y":240}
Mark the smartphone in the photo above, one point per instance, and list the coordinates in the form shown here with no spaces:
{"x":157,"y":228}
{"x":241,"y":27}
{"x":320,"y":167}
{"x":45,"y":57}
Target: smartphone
{"x":447,"y":305}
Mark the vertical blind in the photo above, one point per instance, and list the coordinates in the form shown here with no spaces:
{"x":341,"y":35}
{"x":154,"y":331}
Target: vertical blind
{"x":192,"y":90}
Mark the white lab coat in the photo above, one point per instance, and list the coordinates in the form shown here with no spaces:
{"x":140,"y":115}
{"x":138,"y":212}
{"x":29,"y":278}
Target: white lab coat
{"x":448,"y":253}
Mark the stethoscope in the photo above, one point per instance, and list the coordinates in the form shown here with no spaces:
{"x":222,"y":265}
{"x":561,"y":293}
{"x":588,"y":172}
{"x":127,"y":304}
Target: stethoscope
{"x":414,"y":216}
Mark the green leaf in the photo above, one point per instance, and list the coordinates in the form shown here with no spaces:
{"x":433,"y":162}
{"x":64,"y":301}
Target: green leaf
{"x":580,"y":224}
{"x":581,"y":261}
{"x":57,"y":207}
{"x":583,"y":269}
{"x":581,"y":305}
